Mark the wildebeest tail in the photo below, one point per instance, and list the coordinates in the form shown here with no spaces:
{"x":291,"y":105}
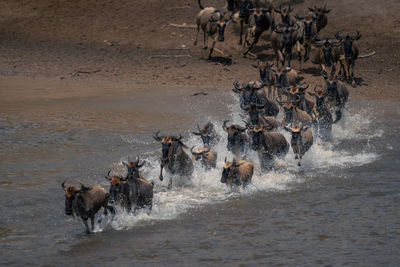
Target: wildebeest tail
{"x":201,"y":7}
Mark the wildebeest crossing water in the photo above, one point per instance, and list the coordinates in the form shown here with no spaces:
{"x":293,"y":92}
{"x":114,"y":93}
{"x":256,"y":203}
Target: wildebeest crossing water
{"x":319,"y":201}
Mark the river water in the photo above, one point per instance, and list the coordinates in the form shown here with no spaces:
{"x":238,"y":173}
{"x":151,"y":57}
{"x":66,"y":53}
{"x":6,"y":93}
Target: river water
{"x":341,"y":207}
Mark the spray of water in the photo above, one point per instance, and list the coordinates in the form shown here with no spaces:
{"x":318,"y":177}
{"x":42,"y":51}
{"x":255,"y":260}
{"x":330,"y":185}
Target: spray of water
{"x":205,"y":186}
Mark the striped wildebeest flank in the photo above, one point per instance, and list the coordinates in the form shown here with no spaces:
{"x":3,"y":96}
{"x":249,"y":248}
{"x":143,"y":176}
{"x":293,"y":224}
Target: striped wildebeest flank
{"x":174,"y":159}
{"x":326,"y":54}
{"x":257,"y":118}
{"x":251,"y":93}
{"x":302,"y":140}
{"x":85,"y":202}
{"x":238,"y":173}
{"x":237,"y":138}
{"x":208,"y":135}
{"x":349,"y":52}
{"x":205,"y":155}
{"x":213,"y":23}
{"x":141,"y":189}
{"x":267,"y":144}
{"x":294,"y":115}
{"x":322,"y":114}
{"x":320,"y":17}
{"x":283,"y":40}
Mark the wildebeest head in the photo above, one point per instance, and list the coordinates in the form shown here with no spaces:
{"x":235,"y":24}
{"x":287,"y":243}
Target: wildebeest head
{"x":230,"y":172}
{"x":320,"y":13}
{"x":319,"y":95}
{"x":256,"y":132}
{"x":308,"y":26}
{"x":207,"y":134}
{"x":285,"y":14}
{"x":288,"y":39}
{"x":247,"y":91}
{"x":254,"y":111}
{"x":279,"y":74}
{"x":115,"y":186}
{"x":296,"y":132}
{"x":263,"y":67}
{"x":348,"y":42}
{"x":235,"y":136}
{"x":199,"y":154}
{"x":288,"y":110}
{"x":72,"y":194}
{"x":133,"y":168}
{"x":219,"y":18}
{"x":327,"y":48}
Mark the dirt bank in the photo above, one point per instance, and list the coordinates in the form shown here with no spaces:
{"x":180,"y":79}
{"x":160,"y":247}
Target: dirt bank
{"x":131,"y":43}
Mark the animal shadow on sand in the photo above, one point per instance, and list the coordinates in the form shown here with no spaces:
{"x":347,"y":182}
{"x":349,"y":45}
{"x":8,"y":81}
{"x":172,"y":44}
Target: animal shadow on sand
{"x":313,"y":71}
{"x":221,"y":60}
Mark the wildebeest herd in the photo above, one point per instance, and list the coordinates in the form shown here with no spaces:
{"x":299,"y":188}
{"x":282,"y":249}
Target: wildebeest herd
{"x":304,"y":111}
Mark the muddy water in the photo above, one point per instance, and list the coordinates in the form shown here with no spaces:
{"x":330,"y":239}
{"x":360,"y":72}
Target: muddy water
{"x":339,"y":208}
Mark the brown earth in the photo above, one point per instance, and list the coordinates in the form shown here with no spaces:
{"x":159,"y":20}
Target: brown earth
{"x":127,"y":45}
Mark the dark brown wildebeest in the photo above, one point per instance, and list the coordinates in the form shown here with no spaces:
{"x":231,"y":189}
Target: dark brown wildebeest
{"x":257,"y":118}
{"x":267,"y":144}
{"x":213,"y":24}
{"x":285,"y":17}
{"x":320,"y":16}
{"x":302,"y":140}
{"x":141,"y":189}
{"x":259,"y":22}
{"x":208,"y":135}
{"x":120,"y":191}
{"x":237,"y":173}
{"x":174,"y":158}
{"x":322,"y":114}
{"x":326,"y":54}
{"x":207,"y":157}
{"x":237,"y":138}
{"x":337,"y":94}
{"x":297,"y":95}
{"x":250,"y":94}
{"x":294,"y":115}
{"x":85,"y":202}
{"x":308,"y":32}
{"x":349,"y":52}
{"x":283,"y":40}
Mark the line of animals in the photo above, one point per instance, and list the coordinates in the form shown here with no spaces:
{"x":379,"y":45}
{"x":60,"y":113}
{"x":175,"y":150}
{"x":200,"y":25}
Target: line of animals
{"x":261,"y":102}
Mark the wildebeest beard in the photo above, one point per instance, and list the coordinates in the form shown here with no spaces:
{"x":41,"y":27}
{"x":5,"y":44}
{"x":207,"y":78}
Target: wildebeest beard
{"x":68,"y":205}
{"x":327,"y":56}
{"x":168,"y":151}
{"x":256,"y":140}
{"x":348,"y":49}
{"x":308,"y":30}
{"x":288,"y":115}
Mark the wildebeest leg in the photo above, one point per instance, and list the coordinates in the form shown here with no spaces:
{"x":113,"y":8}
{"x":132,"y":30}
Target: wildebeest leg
{"x":205,"y":45}
{"x":338,"y":115}
{"x":212,"y":48}
{"x":170,"y":183}
{"x":257,"y":35}
{"x":86,"y":225}
{"x":299,"y":162}
{"x":92,"y":221}
{"x":241,"y":31}
{"x":197,"y":34}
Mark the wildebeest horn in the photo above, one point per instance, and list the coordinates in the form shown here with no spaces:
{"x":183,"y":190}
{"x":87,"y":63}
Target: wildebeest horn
{"x":236,"y":85}
{"x":157,"y":137}
{"x":326,"y":76}
{"x":326,"y":10}
{"x":63,"y":185}
{"x":250,"y":9}
{"x":193,"y":153}
{"x":225,"y":159}
{"x":83,"y":187}
{"x":292,"y":28}
{"x":290,"y":9}
{"x":246,"y":108}
{"x":338,"y":36}
{"x":140,"y":165}
{"x":125,"y":164}
{"x":241,"y":129}
{"x":206,"y":150}
{"x":358,"y":36}
{"x":224,"y":125}
{"x":108,"y":175}
{"x":259,"y":87}
{"x":311,"y":9}
{"x":278,"y":10}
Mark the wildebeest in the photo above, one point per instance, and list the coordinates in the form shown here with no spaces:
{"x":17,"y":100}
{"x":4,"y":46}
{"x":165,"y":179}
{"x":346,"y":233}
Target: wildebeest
{"x":285,"y":18}
{"x":250,"y":93}
{"x":283,"y":40}
{"x":120,"y":191}
{"x":308,"y":31}
{"x":237,"y":138}
{"x":296,"y":95}
{"x":174,"y":158}
{"x":237,"y":173}
{"x":141,"y":189}
{"x":320,"y":16}
{"x":207,"y":157}
{"x":259,"y":22}
{"x":257,"y":118}
{"x":208,"y":135}
{"x":302,"y":140}
{"x":267,"y":144}
{"x":85,"y":202}
{"x":349,"y":51}
{"x":212,"y":22}
{"x":281,"y":78}
{"x":294,"y":115}
{"x":337,"y":94}
{"x":322,"y":114}
{"x":326,"y":54}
